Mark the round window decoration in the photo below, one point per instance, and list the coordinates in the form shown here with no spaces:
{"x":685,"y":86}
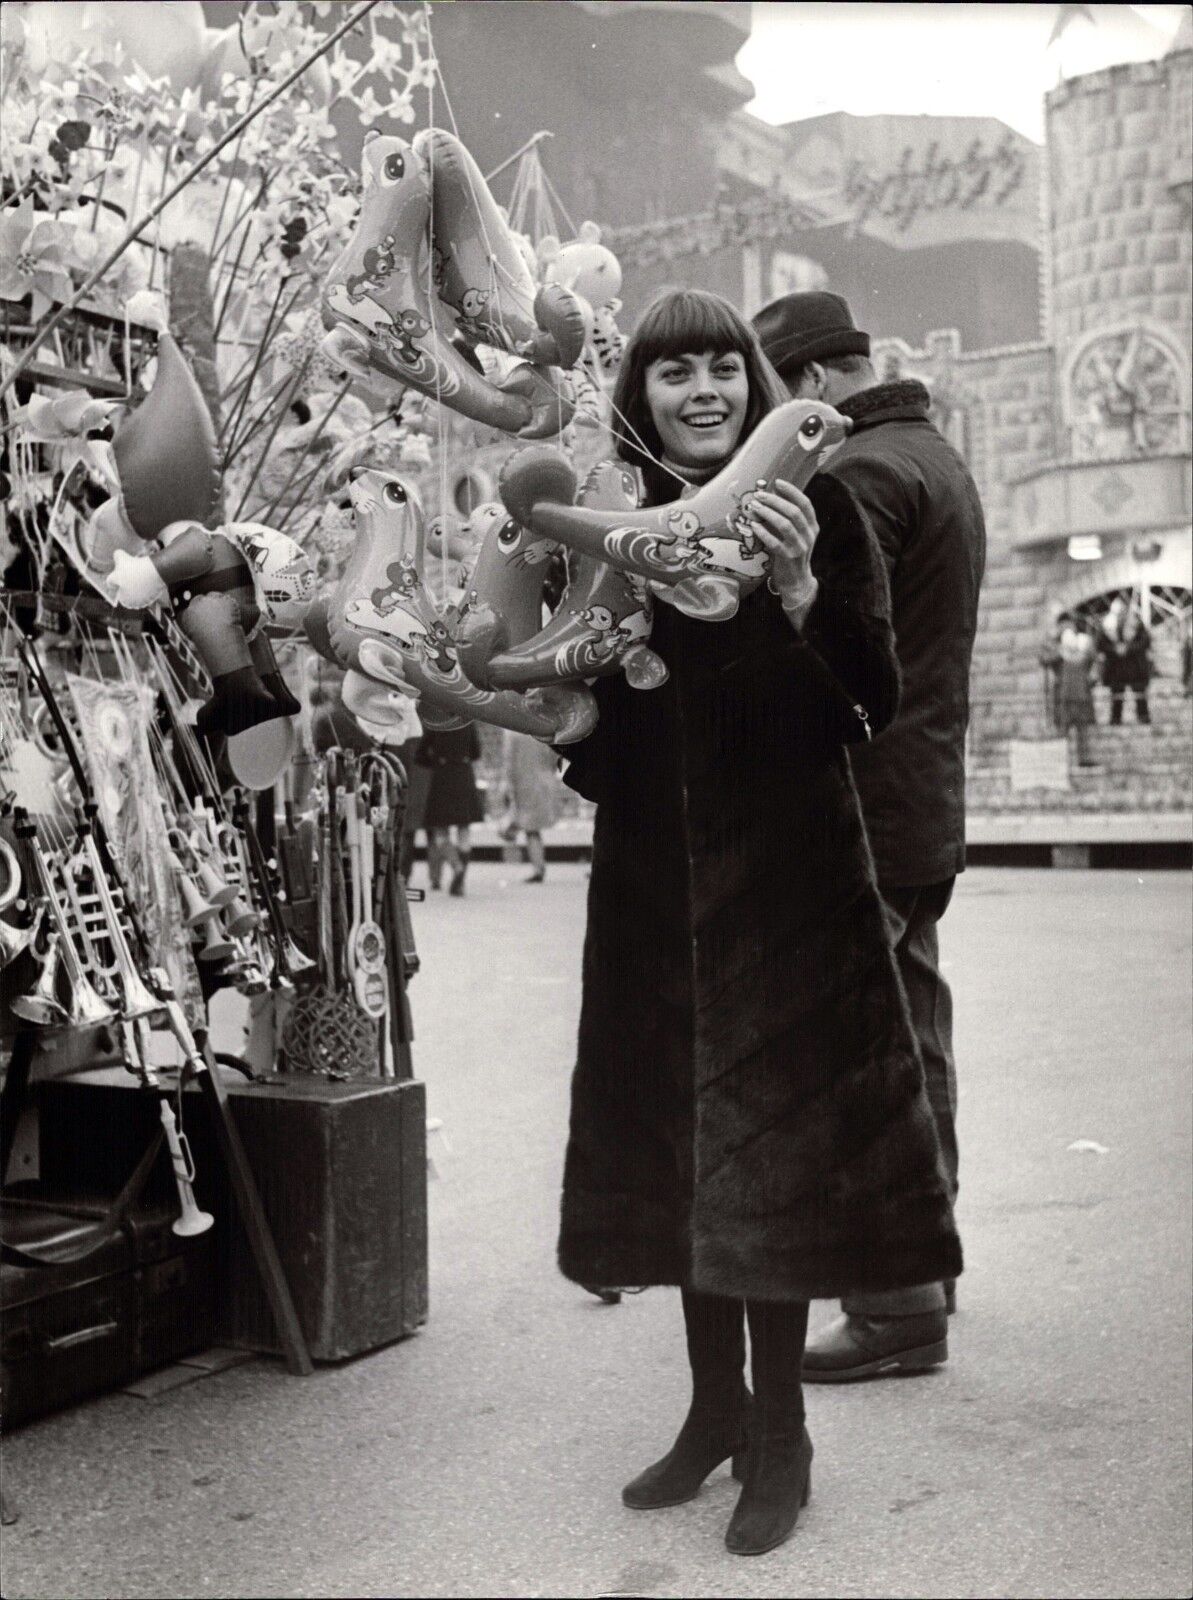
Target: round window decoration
{"x":1125,"y":398}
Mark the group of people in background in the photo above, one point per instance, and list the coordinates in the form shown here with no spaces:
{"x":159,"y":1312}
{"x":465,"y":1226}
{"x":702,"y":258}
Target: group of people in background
{"x":1079,"y":653}
{"x":444,"y":798}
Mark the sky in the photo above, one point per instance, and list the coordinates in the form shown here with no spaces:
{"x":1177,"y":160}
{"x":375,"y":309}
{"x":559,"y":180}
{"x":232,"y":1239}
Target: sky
{"x":943,"y":60}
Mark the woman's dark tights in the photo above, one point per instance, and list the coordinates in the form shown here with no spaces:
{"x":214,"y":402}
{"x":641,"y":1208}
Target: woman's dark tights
{"x":717,"y":1356}
{"x":721,"y":1421}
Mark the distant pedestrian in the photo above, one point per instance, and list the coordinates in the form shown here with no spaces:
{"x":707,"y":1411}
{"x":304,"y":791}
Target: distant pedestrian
{"x":530,"y":781}
{"x":418,"y":783}
{"x":453,"y":801}
{"x":1125,"y":647}
{"x":1075,"y":691}
{"x":1049,"y":659}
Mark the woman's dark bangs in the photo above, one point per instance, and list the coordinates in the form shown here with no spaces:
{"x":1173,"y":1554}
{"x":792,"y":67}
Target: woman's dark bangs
{"x":689,"y":322}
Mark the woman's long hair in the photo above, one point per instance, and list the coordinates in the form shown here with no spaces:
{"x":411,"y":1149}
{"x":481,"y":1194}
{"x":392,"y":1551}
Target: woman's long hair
{"x":683,"y":322}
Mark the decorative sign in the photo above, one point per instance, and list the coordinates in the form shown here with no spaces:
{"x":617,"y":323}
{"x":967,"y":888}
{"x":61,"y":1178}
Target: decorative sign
{"x":1040,"y":764}
{"x":1125,"y":398}
{"x":915,"y":181}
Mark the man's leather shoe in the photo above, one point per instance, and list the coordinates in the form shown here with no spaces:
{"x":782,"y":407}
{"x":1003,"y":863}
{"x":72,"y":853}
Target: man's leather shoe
{"x":876,"y":1347}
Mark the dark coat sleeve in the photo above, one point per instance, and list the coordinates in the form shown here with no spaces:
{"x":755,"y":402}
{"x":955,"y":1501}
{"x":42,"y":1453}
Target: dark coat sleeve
{"x":883,"y":493}
{"x":848,"y":630}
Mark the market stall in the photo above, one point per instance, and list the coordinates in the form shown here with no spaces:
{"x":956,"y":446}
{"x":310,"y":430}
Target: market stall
{"x":238,"y":376}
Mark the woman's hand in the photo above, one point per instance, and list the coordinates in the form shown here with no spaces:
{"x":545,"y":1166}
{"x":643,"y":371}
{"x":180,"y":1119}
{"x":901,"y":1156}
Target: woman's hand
{"x":786,"y":525}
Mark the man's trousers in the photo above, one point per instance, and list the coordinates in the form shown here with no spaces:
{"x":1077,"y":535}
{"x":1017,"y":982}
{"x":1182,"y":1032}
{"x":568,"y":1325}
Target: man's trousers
{"x":912,"y":917}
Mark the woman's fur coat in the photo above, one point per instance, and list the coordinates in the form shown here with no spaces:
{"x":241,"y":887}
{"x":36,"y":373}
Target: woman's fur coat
{"x":748,"y":1107}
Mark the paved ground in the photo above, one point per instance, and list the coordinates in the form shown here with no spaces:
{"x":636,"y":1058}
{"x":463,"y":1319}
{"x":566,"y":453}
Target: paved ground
{"x":484,"y":1457}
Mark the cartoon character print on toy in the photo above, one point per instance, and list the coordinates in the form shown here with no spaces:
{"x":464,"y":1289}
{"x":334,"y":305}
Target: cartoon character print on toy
{"x":381,"y":621}
{"x":704,"y":550}
{"x":600,"y":626}
{"x":381,"y":321}
{"x":480,"y":272}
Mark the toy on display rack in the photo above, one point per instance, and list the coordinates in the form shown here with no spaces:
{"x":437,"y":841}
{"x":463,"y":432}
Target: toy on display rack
{"x":382,"y":621}
{"x":383,"y":323}
{"x":600,"y":626}
{"x":701,"y":552}
{"x":222,"y":584}
{"x":479,"y":271}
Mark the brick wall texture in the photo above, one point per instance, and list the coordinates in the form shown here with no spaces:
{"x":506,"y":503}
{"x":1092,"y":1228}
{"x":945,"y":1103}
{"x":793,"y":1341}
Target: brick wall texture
{"x":1118,"y":170}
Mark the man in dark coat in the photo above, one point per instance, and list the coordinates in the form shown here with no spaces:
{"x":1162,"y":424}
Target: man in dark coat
{"x":923,"y":505}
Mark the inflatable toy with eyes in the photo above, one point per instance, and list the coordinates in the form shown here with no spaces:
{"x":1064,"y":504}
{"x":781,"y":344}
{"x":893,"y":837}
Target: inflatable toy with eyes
{"x":600,"y":626}
{"x":703,"y":550}
{"x":480,"y":272}
{"x":382,"y":621}
{"x":382,"y":323}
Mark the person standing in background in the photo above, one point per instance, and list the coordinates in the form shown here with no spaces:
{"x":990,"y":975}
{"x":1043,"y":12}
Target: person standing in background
{"x":1075,"y":693}
{"x":923,"y":505}
{"x":453,"y":801}
{"x":1049,"y":659}
{"x":1125,"y":647}
{"x":530,"y":780}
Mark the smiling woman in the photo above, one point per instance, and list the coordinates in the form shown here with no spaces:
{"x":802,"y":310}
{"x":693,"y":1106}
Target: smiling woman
{"x":698,"y":403}
{"x":691,"y":358}
{"x":748,"y":1119}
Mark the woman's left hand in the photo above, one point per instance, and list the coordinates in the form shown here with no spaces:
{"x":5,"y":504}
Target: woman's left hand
{"x":786,"y":525}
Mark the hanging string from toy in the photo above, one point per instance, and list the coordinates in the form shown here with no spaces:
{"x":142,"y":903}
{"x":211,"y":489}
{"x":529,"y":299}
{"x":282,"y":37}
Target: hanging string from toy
{"x":490,"y":251}
{"x":432,"y":299}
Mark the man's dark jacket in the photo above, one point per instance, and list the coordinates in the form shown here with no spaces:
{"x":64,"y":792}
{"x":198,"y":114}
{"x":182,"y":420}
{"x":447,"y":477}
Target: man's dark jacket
{"x":923,"y":505}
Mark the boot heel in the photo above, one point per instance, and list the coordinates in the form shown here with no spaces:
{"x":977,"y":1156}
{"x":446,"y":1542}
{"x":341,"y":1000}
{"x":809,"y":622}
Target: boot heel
{"x":738,"y":1465}
{"x":807,"y":1489}
{"x":919,"y":1360}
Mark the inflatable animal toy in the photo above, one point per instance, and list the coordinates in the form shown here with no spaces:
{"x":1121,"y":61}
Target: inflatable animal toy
{"x":382,"y":621}
{"x":381,"y":321}
{"x":479,"y":270}
{"x":702,"y":550}
{"x":503,"y":594}
{"x":600,"y":626}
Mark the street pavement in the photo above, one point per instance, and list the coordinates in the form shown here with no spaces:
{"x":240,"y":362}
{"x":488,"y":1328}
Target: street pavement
{"x":1050,"y":1457}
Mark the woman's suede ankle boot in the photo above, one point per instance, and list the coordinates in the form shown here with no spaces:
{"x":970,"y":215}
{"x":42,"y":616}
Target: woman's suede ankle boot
{"x":778,"y":1466}
{"x":778,"y":1481}
{"x":706,"y":1439}
{"x":715,"y":1427}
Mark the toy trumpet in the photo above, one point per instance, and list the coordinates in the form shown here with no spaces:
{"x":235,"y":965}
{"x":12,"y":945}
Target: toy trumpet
{"x":192,"y":1221}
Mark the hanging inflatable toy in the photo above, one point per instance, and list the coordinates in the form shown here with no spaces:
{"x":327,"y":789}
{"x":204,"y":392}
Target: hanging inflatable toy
{"x":703,"y":551}
{"x":220,"y":583}
{"x":591,"y":272}
{"x":600,"y":626}
{"x":381,"y":621}
{"x":382,"y":323}
{"x":479,"y":269}
{"x":503,"y":594}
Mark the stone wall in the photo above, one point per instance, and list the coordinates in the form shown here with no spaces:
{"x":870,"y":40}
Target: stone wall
{"x":1117,"y":152}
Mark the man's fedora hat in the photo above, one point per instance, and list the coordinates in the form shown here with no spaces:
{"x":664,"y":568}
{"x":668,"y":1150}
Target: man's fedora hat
{"x":813,"y":326}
